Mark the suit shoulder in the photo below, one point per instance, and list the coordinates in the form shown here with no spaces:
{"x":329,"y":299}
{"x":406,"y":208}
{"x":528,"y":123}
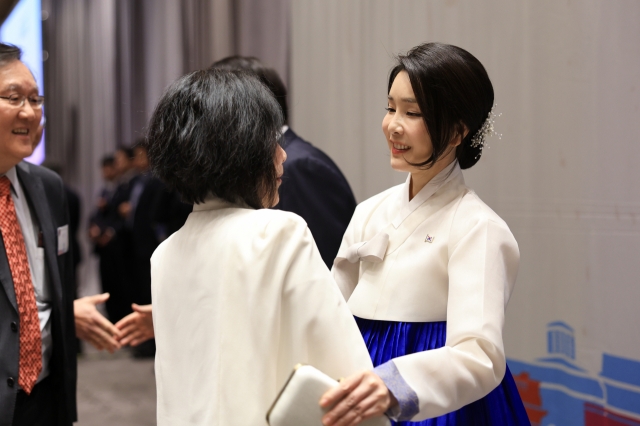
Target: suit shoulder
{"x":47,"y":175}
{"x":300,"y":152}
{"x":51,"y":181}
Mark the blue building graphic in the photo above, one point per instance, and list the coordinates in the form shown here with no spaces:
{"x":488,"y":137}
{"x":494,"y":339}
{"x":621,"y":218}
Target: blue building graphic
{"x":570,"y":395}
{"x":560,"y":340}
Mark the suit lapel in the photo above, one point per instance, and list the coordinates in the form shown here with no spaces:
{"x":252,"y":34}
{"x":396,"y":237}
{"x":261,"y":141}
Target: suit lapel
{"x":34,"y":190}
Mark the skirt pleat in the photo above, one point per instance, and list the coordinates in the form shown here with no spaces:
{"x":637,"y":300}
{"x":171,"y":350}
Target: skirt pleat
{"x":390,"y":339}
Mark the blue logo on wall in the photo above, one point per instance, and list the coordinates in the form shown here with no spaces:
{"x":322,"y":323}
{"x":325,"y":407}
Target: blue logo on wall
{"x":558,"y":392}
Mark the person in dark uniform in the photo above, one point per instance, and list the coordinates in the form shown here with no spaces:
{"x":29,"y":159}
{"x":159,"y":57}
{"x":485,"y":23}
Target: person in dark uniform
{"x":102,"y":231}
{"x":145,"y":234}
{"x":112,"y":237}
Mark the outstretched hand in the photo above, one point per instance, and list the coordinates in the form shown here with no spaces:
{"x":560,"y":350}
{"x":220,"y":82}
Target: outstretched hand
{"x":92,"y":326}
{"x":357,"y":398}
{"x":137,"y":327}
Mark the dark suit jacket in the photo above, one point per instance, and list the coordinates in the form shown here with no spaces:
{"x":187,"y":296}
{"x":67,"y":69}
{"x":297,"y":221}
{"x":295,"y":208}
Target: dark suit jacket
{"x":313,"y":187}
{"x":171,"y":213}
{"x":47,"y":201}
{"x":73,"y":200}
{"x":145,"y":238}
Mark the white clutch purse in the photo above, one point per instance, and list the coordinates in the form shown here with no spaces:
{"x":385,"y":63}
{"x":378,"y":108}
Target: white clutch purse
{"x":298,"y":401}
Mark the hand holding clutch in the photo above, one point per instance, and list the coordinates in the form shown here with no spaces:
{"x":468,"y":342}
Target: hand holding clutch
{"x":298,"y":401}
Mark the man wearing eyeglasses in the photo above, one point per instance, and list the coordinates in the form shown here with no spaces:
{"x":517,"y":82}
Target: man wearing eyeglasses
{"x":37,"y":331}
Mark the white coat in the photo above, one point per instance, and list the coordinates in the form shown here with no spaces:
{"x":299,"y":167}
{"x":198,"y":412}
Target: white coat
{"x":239,"y":297}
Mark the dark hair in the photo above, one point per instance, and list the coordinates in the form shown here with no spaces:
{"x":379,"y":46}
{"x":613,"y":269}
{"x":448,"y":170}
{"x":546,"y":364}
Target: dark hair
{"x":267,"y":75}
{"x":216,"y":131}
{"x":9,"y":53}
{"x":453,"y":91}
{"x":127,"y":151}
{"x":107,"y":161}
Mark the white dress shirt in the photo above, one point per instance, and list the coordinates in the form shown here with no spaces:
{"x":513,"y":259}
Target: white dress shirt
{"x":30,"y":230}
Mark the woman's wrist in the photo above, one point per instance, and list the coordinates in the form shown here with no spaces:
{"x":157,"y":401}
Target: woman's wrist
{"x":406,"y":400}
{"x":393,"y":412}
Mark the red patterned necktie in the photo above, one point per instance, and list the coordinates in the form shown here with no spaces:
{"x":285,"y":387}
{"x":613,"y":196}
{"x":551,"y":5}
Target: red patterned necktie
{"x":30,"y":338}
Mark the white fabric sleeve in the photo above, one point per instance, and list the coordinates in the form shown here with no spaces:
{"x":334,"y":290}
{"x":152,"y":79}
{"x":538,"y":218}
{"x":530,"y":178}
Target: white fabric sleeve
{"x":482,"y":269}
{"x":317,"y":325}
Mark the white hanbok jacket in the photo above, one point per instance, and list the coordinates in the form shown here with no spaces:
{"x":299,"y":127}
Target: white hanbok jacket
{"x":443,"y":256}
{"x":239,"y":297}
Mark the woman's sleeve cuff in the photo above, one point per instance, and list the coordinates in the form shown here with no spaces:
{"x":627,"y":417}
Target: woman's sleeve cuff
{"x":408,"y":404}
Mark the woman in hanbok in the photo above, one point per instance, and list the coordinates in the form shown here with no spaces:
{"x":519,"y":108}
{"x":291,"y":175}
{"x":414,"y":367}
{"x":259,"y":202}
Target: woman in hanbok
{"x":240,"y":292}
{"x":427,"y":268}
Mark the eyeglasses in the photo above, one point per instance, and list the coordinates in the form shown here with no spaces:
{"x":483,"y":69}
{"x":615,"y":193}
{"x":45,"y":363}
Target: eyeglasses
{"x":18,"y":101}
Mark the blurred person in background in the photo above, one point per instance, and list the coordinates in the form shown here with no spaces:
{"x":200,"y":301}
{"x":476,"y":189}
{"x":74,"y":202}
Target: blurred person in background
{"x":161,"y":213}
{"x":103,"y":226}
{"x":109,"y":235}
{"x":99,"y":220}
{"x":146,"y":233}
{"x":121,"y":246}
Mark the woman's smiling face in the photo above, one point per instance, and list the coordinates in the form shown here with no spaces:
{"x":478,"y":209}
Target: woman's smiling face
{"x":404,"y":127}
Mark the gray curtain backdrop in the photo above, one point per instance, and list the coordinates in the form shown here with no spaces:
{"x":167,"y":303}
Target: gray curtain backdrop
{"x":109,"y":61}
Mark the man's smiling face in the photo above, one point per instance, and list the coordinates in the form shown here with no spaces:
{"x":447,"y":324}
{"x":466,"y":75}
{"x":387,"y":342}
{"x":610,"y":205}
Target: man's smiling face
{"x":18,"y":125}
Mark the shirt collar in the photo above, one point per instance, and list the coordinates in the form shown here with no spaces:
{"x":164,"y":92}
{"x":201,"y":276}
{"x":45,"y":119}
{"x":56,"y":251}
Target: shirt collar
{"x":12,"y":175}
{"x":212,"y":202}
{"x":409,"y":206}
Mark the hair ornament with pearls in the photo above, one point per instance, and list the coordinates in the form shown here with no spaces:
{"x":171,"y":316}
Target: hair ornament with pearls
{"x":479,"y":140}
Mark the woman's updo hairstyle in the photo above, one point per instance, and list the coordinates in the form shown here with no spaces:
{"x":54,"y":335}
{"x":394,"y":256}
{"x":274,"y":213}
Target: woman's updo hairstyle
{"x":453,"y":91}
{"x":216,"y":132}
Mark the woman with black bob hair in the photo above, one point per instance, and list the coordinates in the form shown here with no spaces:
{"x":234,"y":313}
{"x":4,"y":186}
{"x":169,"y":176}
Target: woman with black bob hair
{"x":426,"y":267}
{"x":229,"y":153}
{"x":240,"y":292}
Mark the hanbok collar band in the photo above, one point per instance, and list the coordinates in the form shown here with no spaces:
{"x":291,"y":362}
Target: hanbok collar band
{"x":409,"y":206}
{"x":211,"y":202}
{"x":346,"y":263}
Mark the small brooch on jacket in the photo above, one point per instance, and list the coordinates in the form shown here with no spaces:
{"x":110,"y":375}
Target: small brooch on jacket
{"x":429,"y":239}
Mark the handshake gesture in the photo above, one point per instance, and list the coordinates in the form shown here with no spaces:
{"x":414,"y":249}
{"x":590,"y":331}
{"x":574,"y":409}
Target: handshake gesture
{"x":93,"y":327}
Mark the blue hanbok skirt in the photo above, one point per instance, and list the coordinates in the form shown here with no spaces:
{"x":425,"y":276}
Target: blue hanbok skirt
{"x":390,"y":339}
